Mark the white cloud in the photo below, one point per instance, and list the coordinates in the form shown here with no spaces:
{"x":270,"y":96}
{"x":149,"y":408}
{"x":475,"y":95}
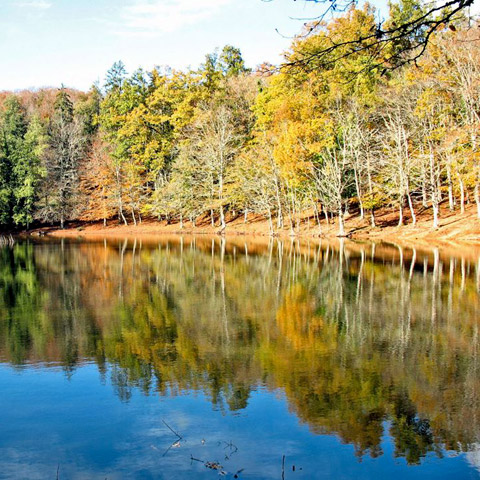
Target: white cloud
{"x":154,"y":17}
{"x":38,"y":4}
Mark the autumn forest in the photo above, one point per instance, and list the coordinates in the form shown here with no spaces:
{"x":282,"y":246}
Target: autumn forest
{"x":224,"y":141}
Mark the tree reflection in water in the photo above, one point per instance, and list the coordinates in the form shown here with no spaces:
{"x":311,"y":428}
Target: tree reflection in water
{"x":360,"y":337}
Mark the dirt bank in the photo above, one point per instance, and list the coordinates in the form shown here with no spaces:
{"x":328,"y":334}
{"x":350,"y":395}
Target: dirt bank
{"x":454,"y":228}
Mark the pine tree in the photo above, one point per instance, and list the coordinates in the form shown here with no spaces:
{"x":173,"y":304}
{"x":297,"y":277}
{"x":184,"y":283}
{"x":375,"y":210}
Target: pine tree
{"x":66,"y":149}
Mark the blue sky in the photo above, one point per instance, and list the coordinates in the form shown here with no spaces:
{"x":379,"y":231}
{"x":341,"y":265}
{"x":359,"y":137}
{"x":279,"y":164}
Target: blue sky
{"x":50,"y":42}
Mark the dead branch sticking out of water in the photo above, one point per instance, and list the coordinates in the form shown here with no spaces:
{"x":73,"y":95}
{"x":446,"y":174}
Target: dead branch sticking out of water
{"x":172,"y":430}
{"x":176,"y":443}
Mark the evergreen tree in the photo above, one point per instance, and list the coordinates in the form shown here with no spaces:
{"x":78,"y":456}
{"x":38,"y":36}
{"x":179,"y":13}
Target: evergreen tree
{"x":66,"y":149}
{"x":28,"y":171}
{"x":21,"y":149}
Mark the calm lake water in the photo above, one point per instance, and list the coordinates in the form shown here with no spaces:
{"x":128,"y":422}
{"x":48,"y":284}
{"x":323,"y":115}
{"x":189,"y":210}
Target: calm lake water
{"x":194,"y":357}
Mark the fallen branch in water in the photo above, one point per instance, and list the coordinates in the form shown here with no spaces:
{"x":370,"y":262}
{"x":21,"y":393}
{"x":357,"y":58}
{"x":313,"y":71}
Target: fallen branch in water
{"x":176,"y":443}
{"x":215,"y":466}
{"x":211,"y":465}
{"x":172,"y":430}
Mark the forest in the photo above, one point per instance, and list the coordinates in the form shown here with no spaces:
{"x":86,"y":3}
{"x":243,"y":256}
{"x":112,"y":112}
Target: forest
{"x":224,"y":141}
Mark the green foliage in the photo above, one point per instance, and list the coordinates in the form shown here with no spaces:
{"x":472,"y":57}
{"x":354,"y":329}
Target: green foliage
{"x":29,"y":171}
{"x":20,"y":164}
{"x":326,"y":132}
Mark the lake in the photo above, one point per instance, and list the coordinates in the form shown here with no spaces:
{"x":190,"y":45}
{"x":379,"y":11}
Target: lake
{"x":270,"y":359}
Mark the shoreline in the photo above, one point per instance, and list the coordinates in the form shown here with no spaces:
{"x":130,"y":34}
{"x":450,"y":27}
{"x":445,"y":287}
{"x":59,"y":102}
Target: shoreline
{"x":455,"y":228}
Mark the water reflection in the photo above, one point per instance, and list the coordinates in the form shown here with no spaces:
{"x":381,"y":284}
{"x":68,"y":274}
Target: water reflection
{"x":359,"y":337}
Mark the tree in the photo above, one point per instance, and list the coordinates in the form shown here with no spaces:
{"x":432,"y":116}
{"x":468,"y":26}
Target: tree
{"x":113,"y":110}
{"x":13,"y":127}
{"x":402,"y":38}
{"x":21,"y":152}
{"x":97,"y":182}
{"x":213,"y":143}
{"x":332,"y":175}
{"x":115,"y":77}
{"x":231,"y":62}
{"x":29,"y":171}
{"x":87,"y":110}
{"x":400,"y":163}
{"x":67,"y":144}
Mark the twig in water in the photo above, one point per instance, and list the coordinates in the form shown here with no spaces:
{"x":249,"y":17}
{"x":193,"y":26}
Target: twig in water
{"x":58,"y":471}
{"x":211,"y":465}
{"x":238,"y":472}
{"x":173,"y":445}
{"x":172,"y":430}
{"x":192,"y":458}
{"x":283,"y":467}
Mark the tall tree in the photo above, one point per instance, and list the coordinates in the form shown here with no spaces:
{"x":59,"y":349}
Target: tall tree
{"x":13,"y":127}
{"x":21,"y":150}
{"x":67,"y":144}
{"x":29,"y":171}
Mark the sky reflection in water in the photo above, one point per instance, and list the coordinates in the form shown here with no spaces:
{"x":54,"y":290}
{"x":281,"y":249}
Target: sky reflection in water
{"x":353,"y":360}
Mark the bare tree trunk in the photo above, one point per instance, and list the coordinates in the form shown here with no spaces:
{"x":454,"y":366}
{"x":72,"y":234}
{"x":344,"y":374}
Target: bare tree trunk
{"x":435,"y":188}
{"x":439,"y":189}
{"x":104,"y":208}
{"x":270,"y":222}
{"x":341,"y":226}
{"x":450,"y":188}
{"x":317,"y":218}
{"x":435,"y":209}
{"x":222,"y":218}
{"x":424,"y":189}
{"x":412,"y":211}
{"x":477,"y":199}
{"x":462,"y":195}
{"x":370,"y":189}
{"x":279,"y":204}
{"x":359,"y":194}
{"x":400,"y":212}
{"x":292,"y":230}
